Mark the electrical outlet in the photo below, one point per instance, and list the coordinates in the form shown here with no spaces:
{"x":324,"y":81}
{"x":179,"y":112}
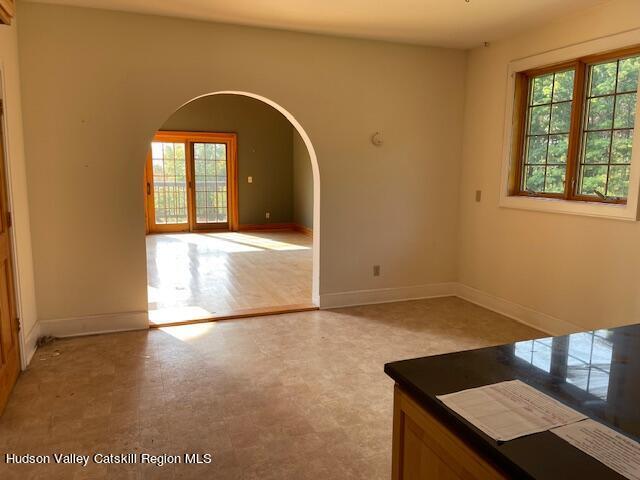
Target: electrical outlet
{"x":267,"y":215}
{"x":249,"y":179}
{"x":376,"y":270}
{"x":478,"y":195}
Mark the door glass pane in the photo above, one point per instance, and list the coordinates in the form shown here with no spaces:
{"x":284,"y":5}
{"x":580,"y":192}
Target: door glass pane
{"x":210,"y":182}
{"x":169,"y":182}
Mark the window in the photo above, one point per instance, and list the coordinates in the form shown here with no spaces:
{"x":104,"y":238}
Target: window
{"x":574,"y":124}
{"x":191,"y":182}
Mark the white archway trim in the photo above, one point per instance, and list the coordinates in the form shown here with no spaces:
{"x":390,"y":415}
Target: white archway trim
{"x":315,"y":281}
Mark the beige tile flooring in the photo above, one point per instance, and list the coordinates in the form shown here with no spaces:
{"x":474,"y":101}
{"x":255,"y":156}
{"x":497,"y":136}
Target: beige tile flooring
{"x":196,"y":275}
{"x":296,"y":396}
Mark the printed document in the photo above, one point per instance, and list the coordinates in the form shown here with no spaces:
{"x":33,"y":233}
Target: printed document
{"x":509,"y":410}
{"x":615,"y":450}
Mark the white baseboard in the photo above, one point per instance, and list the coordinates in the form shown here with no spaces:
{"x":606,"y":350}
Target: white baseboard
{"x":94,"y":324}
{"x":525,"y":315}
{"x":528,"y":316}
{"x":119,"y":322}
{"x":386,"y":295}
{"x":30,"y":344}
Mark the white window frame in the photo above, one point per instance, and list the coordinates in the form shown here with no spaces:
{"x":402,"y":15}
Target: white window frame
{"x":627,"y":212}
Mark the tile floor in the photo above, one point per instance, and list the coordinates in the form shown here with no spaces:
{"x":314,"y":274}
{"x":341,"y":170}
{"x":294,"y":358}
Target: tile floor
{"x":197,"y":275}
{"x":296,"y":396}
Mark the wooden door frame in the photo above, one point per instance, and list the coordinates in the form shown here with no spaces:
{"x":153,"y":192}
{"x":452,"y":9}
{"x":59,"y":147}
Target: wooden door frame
{"x":152,"y":227}
{"x":189,"y":138}
{"x":231,"y":142}
{"x":13,"y":365}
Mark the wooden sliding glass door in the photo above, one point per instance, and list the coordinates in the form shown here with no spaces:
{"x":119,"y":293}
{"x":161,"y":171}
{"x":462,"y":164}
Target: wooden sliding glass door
{"x":191,"y":182}
{"x":167,"y":187}
{"x":210,"y":186}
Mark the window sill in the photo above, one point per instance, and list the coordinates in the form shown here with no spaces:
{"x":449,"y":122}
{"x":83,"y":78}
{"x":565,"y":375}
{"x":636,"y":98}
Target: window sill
{"x":626,"y":212}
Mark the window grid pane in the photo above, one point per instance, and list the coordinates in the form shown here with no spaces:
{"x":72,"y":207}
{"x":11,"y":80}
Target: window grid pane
{"x":169,"y":182}
{"x":210,"y":182}
{"x":547,"y":132}
{"x":609,"y":122}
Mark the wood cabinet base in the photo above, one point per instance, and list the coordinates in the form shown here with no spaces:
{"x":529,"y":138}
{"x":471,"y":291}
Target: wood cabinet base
{"x":423,"y":448}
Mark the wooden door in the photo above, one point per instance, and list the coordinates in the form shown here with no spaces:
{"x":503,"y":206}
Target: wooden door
{"x":9,"y":346}
{"x":211,"y":167}
{"x":168,"y":185}
{"x":191,"y":182}
{"x":7,"y":11}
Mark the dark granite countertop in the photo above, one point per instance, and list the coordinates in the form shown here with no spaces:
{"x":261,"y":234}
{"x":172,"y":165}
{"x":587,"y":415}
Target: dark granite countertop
{"x":596,"y":373}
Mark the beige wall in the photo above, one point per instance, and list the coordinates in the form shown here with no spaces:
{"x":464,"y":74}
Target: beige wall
{"x":15,"y":163}
{"x":264,"y":151}
{"x":93,"y":98}
{"x":302,"y":183}
{"x":578,"y":269}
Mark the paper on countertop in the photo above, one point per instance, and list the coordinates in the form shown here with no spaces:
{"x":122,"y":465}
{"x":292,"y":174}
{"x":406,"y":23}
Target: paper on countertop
{"x":509,"y":410}
{"x":615,"y":450}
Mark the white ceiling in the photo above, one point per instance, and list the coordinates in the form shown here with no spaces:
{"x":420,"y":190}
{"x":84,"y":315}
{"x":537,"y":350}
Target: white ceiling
{"x":449,"y":23}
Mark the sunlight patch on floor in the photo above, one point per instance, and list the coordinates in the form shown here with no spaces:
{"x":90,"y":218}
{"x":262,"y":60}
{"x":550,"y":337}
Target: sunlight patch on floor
{"x":214,"y":241}
{"x":174,"y":293}
{"x":177,"y":314}
{"x":189,"y":332}
{"x":257,"y":241}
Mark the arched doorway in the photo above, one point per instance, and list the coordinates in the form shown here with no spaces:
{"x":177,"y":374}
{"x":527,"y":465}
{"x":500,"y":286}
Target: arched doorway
{"x":194,"y":312}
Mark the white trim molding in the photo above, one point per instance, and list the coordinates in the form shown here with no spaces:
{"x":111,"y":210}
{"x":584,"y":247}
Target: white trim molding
{"x":627,"y":212}
{"x":386,"y":295}
{"x":127,"y":321}
{"x":30,"y":344}
{"x":94,"y":324}
{"x":315,"y":170}
{"x":528,"y":316}
{"x":525,"y":315}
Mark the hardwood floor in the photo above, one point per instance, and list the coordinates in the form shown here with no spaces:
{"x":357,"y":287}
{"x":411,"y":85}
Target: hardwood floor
{"x":197,"y":276}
